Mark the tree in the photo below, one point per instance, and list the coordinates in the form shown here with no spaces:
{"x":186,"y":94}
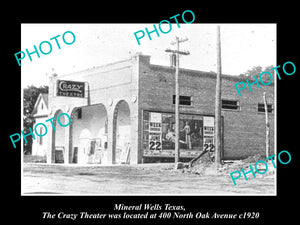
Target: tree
{"x":256,"y":71}
{"x":249,"y":74}
{"x":31,"y":94}
{"x":266,"y":78}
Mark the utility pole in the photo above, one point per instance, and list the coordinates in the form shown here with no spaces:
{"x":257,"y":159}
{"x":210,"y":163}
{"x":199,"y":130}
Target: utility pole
{"x":177,"y":134}
{"x":267,"y":127}
{"x":218,"y":104}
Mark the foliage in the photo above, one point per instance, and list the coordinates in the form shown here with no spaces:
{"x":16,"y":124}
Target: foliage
{"x":256,"y":71}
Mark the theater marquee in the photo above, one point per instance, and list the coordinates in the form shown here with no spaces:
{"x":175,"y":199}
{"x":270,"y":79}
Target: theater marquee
{"x":69,"y":88}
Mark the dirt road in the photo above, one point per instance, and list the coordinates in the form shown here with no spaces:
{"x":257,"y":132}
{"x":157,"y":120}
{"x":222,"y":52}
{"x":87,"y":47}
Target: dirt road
{"x":143,"y":179}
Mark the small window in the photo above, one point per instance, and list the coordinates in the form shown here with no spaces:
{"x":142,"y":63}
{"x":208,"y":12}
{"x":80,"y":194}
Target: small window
{"x":106,"y":126}
{"x":79,"y":113}
{"x":42,"y":106}
{"x":183,"y":100}
{"x":261,"y":107}
{"x":41,"y":137}
{"x":230,"y":104}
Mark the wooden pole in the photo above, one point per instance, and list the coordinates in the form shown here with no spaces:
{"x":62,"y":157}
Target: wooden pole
{"x":177,"y":134}
{"x":267,"y":127}
{"x":218,"y":104}
{"x":177,"y":130}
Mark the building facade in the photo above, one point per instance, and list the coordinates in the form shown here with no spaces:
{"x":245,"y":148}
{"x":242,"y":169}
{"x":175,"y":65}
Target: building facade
{"x":123,"y":112}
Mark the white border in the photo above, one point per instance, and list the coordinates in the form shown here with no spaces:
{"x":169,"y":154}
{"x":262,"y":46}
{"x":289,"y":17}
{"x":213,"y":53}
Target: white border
{"x":68,"y":165}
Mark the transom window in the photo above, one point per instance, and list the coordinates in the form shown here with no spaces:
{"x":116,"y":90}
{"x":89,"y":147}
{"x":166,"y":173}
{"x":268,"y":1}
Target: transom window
{"x":183,"y":100}
{"x":261,"y":107}
{"x":230,"y":104}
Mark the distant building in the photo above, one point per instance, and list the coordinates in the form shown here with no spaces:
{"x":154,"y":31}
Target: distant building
{"x":40,"y":113}
{"x":123,"y":112}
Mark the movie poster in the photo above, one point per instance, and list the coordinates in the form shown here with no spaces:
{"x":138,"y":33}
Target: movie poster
{"x":155,"y":131}
{"x":196,"y":134}
{"x":208,"y":133}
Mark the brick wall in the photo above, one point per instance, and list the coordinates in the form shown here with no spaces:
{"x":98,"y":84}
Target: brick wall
{"x":244,"y":130}
{"x":153,"y":86}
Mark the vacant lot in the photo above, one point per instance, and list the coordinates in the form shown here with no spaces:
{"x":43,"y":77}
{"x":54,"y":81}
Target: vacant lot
{"x":160,"y":179}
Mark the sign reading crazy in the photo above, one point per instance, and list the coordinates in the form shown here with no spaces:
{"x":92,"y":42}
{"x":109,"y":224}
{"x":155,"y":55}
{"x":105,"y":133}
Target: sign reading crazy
{"x":70,"y":88}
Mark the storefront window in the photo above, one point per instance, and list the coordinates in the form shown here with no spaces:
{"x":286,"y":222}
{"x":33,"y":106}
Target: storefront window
{"x":196,"y":133}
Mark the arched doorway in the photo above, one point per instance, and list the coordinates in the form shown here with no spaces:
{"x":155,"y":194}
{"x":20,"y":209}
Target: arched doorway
{"x":122,"y":133}
{"x":89,"y":134}
{"x":84,"y":146}
{"x":58,"y":138}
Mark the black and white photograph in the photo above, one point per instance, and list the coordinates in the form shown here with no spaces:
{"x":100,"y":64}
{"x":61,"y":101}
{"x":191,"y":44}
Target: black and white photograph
{"x":178,"y":115}
{"x":105,"y":120}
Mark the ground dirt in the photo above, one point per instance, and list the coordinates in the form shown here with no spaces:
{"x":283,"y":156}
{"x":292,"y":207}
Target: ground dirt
{"x":206,"y":166}
{"x":144,"y":179}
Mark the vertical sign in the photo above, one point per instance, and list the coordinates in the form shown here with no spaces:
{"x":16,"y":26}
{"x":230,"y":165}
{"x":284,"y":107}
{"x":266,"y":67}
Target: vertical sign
{"x":155,"y":131}
{"x":208,"y":133}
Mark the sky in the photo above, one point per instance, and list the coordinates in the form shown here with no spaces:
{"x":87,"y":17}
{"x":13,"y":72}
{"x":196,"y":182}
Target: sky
{"x":242,"y":47}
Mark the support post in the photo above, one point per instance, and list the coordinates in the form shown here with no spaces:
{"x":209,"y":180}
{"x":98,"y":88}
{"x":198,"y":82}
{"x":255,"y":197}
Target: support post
{"x":267,"y":127}
{"x":177,"y":134}
{"x":177,"y":93}
{"x":218,"y":104}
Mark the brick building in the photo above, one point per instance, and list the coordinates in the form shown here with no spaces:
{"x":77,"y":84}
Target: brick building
{"x":124,"y":113}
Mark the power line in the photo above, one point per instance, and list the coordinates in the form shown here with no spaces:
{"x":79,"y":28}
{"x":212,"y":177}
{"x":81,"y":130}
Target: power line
{"x":177,"y":52}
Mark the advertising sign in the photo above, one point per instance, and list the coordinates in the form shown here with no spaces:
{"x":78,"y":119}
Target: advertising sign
{"x":155,"y":131}
{"x":196,"y":134}
{"x":69,"y":88}
{"x":208,"y":133}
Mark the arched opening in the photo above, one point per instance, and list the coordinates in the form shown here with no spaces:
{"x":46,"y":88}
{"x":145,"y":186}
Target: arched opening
{"x":89,"y":135}
{"x":84,"y":146}
{"x":58,"y":138}
{"x":122,"y":133}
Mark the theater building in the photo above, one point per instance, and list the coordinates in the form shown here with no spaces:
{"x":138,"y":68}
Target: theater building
{"x":123,"y":112}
